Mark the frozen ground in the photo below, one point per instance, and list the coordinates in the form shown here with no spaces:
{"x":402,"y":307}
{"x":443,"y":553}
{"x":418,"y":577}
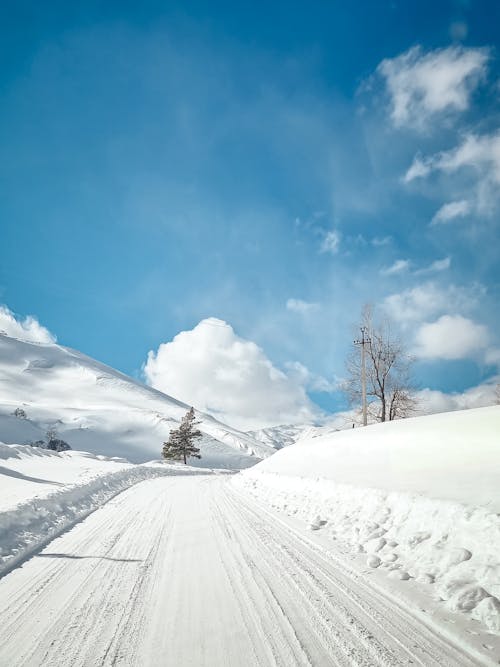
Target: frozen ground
{"x":97,"y":409}
{"x":417,"y":502}
{"x":187,"y":571}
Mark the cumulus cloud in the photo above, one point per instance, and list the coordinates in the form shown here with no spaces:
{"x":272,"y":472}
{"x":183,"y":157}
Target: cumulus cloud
{"x":451,"y":211}
{"x":213,"y":369}
{"x":28,"y":329}
{"x":479,"y":153}
{"x":422,"y":85}
{"x":450,"y":337}
{"x":428,"y":299}
{"x":300,"y":306}
{"x":331,"y":242}
{"x":399,"y":266}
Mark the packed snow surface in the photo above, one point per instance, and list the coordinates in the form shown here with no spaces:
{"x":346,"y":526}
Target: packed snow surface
{"x":97,"y":409}
{"x":419,"y":499}
{"x":43,"y":492}
{"x":185,"y":571}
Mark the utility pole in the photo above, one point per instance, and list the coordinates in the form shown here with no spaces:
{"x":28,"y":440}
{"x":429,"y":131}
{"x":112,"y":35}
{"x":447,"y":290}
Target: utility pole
{"x":364,"y":341}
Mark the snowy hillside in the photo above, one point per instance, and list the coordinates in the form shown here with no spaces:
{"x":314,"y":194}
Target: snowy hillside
{"x":419,"y":499}
{"x":97,"y":409}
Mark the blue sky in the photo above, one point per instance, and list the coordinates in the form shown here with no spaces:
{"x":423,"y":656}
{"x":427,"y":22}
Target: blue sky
{"x":271,"y":167}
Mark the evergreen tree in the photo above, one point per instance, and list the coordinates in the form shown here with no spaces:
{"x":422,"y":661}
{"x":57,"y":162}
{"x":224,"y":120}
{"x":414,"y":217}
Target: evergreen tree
{"x":180,"y":442}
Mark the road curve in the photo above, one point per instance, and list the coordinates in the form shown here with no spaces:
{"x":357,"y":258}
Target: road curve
{"x":182,"y":571}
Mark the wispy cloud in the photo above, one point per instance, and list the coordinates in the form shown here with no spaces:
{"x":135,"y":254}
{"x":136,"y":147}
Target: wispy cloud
{"x":478,"y":153}
{"x":379,"y":241}
{"x":435,"y":267}
{"x":300,"y":306}
{"x":422,"y":85}
{"x":429,"y":299}
{"x":451,"y":211}
{"x":331,"y":242}
{"x":399,"y":266}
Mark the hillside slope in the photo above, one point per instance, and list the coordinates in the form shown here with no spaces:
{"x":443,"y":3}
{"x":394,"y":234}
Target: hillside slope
{"x":98,"y":409}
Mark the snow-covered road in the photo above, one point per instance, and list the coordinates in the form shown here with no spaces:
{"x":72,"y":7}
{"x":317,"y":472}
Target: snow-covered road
{"x":185,"y":571}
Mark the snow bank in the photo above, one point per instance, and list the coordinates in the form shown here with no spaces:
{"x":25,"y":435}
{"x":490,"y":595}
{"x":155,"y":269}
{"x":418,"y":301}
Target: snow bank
{"x":34,"y":510}
{"x":419,"y":499}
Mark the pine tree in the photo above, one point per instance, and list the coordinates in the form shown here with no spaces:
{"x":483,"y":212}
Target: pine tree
{"x":180,"y":442}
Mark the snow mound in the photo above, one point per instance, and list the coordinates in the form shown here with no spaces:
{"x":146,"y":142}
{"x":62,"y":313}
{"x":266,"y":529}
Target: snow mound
{"x":420,"y":498}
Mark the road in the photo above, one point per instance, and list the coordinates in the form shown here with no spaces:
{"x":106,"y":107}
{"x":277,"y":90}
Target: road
{"x":182,"y":571}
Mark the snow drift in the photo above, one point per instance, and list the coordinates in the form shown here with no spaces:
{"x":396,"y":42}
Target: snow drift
{"x":419,"y":498}
{"x":97,"y":409}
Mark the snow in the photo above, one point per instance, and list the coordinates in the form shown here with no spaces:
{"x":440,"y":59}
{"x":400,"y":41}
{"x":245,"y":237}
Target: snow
{"x":417,"y":499}
{"x":183,"y":570}
{"x":97,"y":409}
{"x":44,"y":492}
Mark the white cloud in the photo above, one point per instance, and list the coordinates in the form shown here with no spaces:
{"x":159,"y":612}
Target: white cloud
{"x":431,"y":401}
{"x":28,"y":329}
{"x":436,"y":266}
{"x":450,"y":337}
{"x":213,"y":369}
{"x":300,"y":306}
{"x":451,"y":211}
{"x":422,"y":85}
{"x":399,"y":266}
{"x":302,"y":375}
{"x":331,"y":242}
{"x":378,"y":241}
{"x":479,"y":153}
{"x":427,"y":300}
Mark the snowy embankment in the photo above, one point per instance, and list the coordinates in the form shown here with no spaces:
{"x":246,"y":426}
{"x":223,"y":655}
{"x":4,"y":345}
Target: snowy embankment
{"x":419,"y":499}
{"x":34,"y":508}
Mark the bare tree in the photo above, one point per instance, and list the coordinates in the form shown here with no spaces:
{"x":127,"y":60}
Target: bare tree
{"x":389,"y":388}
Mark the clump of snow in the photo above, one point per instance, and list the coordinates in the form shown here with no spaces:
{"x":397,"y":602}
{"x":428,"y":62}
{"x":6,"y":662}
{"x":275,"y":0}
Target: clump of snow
{"x":373,"y":561}
{"x":487,"y":611}
{"x":420,"y":497}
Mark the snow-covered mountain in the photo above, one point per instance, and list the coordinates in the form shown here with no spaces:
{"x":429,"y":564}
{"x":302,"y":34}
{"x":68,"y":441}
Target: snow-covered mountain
{"x":98,"y":409}
{"x":285,"y":435}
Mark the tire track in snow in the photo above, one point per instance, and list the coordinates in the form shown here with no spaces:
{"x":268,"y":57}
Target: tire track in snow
{"x":185,"y":571}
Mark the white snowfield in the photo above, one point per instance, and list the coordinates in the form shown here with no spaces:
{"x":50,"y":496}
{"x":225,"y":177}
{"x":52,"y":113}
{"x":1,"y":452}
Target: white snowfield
{"x":98,"y":409}
{"x":187,"y":571}
{"x":418,"y":500}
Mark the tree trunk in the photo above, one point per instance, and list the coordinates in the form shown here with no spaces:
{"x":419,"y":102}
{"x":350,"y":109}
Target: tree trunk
{"x":382,"y":416}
